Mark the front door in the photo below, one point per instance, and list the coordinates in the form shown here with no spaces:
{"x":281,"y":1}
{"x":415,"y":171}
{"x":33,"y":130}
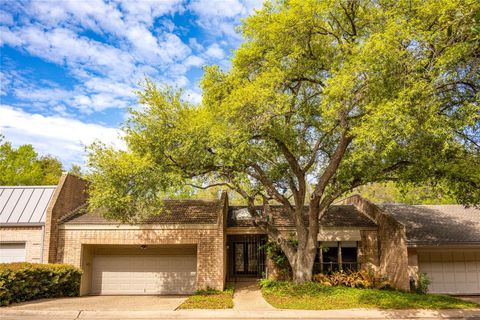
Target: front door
{"x":246,"y":256}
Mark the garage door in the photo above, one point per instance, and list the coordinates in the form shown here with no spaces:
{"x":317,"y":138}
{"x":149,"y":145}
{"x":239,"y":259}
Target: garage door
{"x":455,"y":272}
{"x":12,"y":252}
{"x":137,"y":274}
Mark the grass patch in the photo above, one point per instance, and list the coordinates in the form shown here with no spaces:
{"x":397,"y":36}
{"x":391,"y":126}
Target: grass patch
{"x":313,"y":296}
{"x":210,"y":299}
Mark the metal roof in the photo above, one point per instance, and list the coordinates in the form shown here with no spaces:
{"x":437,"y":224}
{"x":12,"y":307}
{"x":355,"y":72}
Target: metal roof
{"x":25,"y":204}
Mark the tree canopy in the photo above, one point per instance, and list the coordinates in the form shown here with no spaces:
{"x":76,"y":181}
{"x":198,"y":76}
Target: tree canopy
{"x":322,"y":97}
{"x":23,"y":166}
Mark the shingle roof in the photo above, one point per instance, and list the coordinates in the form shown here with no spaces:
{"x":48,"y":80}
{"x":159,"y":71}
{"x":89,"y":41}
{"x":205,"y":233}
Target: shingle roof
{"x":24,"y":205}
{"x":437,"y":224}
{"x":336,"y":216}
{"x":174,"y":212}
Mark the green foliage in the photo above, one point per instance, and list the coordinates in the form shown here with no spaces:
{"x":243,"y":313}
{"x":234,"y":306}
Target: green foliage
{"x":76,"y":170}
{"x":210,"y":299}
{"x":402,"y":74}
{"x":390,"y":192}
{"x":314,"y":296}
{"x":354,"y":279}
{"x":275,"y":253}
{"x":28,"y":281}
{"x":23,"y":166}
{"x":420,"y":286}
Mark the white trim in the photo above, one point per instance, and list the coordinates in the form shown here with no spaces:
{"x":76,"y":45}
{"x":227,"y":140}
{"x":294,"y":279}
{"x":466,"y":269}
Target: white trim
{"x":339,"y":235}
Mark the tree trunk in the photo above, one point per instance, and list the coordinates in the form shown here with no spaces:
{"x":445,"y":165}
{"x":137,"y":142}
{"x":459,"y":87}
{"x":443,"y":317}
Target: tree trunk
{"x":302,"y":268}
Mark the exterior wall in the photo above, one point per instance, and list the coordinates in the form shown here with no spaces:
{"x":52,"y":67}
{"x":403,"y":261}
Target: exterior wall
{"x":368,"y":256}
{"x":209,"y":240}
{"x":393,"y":256}
{"x":412,"y":263}
{"x":32,"y":236}
{"x":70,"y":194}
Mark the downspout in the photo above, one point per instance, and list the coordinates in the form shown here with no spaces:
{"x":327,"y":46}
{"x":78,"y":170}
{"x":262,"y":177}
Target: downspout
{"x":43,"y":243}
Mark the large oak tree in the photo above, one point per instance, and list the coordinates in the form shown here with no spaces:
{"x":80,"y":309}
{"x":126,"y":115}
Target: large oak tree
{"x":321,"y":97}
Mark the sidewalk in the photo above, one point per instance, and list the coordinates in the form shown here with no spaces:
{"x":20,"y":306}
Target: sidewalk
{"x":7,"y":314}
{"x":248,"y":297}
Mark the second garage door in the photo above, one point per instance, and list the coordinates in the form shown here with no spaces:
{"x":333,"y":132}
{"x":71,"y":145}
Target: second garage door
{"x":149,"y":274}
{"x":454,"y":272}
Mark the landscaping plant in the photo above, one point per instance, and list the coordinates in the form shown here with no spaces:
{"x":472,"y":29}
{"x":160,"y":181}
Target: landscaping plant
{"x":353,"y":279}
{"x":28,"y":281}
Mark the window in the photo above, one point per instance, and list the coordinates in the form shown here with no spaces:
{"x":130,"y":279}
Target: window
{"x":336,"y":255}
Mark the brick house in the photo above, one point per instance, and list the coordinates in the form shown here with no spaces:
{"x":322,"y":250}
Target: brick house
{"x":198,"y":244}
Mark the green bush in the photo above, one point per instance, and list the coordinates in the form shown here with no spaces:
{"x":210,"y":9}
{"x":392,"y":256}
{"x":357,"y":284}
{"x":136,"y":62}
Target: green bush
{"x":353,"y":279}
{"x":421,"y":285}
{"x":28,"y":281}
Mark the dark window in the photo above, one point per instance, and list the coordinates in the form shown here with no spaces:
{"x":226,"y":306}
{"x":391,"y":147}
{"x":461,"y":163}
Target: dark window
{"x":327,"y":259}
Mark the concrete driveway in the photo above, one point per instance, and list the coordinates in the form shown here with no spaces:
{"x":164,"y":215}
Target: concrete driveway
{"x":103,"y":303}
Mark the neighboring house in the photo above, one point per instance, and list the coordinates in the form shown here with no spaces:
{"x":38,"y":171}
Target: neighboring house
{"x":197,"y":244}
{"x":22,"y":220}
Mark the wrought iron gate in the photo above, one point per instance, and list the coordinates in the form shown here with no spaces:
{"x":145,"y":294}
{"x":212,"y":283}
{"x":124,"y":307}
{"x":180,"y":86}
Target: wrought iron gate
{"x":246,"y":256}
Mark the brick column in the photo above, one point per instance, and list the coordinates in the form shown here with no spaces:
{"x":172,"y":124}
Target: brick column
{"x":69,"y":194}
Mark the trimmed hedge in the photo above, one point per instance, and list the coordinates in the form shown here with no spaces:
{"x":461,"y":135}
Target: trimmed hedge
{"x":25,"y":281}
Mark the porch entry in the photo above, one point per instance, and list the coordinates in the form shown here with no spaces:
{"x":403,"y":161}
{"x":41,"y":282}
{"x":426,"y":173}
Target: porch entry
{"x":246,"y":256}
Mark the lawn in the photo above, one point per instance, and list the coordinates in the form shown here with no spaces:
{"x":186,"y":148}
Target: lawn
{"x":209,"y":299}
{"x":313,"y":296}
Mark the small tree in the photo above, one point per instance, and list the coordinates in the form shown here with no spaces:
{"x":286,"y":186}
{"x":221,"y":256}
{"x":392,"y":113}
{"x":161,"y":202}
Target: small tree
{"x":322,"y":97}
{"x":23,"y":166}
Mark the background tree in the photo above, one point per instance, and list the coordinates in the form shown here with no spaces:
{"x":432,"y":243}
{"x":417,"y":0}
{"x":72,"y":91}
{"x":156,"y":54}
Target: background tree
{"x":23,"y":166}
{"x":328,"y":94}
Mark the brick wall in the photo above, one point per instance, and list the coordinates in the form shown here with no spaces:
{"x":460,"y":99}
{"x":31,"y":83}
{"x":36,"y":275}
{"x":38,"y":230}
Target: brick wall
{"x":368,"y":255}
{"x":70,"y":193}
{"x":32,"y":236}
{"x":392,"y":248}
{"x":209,"y":242}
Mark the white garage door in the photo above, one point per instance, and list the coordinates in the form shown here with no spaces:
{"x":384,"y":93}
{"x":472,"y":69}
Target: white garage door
{"x":143,"y":274}
{"x":455,"y":272}
{"x":12,"y":252}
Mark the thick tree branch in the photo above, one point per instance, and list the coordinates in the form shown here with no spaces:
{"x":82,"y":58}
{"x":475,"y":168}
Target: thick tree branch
{"x":271,"y":190}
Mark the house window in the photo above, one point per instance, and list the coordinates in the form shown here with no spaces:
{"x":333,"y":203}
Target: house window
{"x":335,"y":256}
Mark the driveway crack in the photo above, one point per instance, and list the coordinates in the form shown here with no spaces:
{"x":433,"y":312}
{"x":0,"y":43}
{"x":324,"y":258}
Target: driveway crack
{"x":78,"y":315}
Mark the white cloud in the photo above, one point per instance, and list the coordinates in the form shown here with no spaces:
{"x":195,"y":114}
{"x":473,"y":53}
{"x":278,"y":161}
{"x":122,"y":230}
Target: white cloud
{"x":6,"y":18}
{"x":62,"y":137}
{"x":215,"y":51}
{"x":217,"y":8}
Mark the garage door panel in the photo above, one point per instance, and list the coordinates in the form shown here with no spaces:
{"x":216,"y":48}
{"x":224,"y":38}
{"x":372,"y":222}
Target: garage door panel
{"x":452,"y":271}
{"x":135,"y":274}
{"x":12,"y":252}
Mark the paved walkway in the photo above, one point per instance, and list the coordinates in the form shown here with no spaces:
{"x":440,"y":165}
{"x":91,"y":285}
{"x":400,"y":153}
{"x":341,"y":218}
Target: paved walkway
{"x":248,"y":297}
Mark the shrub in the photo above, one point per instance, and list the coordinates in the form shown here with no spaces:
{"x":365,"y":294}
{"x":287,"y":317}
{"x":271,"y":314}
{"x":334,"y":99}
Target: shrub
{"x":421,"y":285}
{"x":353,"y":279}
{"x":28,"y":281}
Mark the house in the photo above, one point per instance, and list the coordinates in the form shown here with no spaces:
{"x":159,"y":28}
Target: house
{"x":197,"y":244}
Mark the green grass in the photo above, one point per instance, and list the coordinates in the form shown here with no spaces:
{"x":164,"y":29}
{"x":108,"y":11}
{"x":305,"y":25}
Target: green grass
{"x":313,"y":296}
{"x":209,"y":299}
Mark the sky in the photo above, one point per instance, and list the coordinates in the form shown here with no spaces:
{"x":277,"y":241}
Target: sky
{"x":69,"y":69}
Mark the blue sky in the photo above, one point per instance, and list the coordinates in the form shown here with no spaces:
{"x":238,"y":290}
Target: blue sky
{"x":69,"y":68}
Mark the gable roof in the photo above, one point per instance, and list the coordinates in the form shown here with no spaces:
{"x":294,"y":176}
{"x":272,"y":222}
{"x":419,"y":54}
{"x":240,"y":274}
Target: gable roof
{"x":24,"y":205}
{"x":336,"y":216}
{"x":437,"y":224}
{"x":174,"y":212}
